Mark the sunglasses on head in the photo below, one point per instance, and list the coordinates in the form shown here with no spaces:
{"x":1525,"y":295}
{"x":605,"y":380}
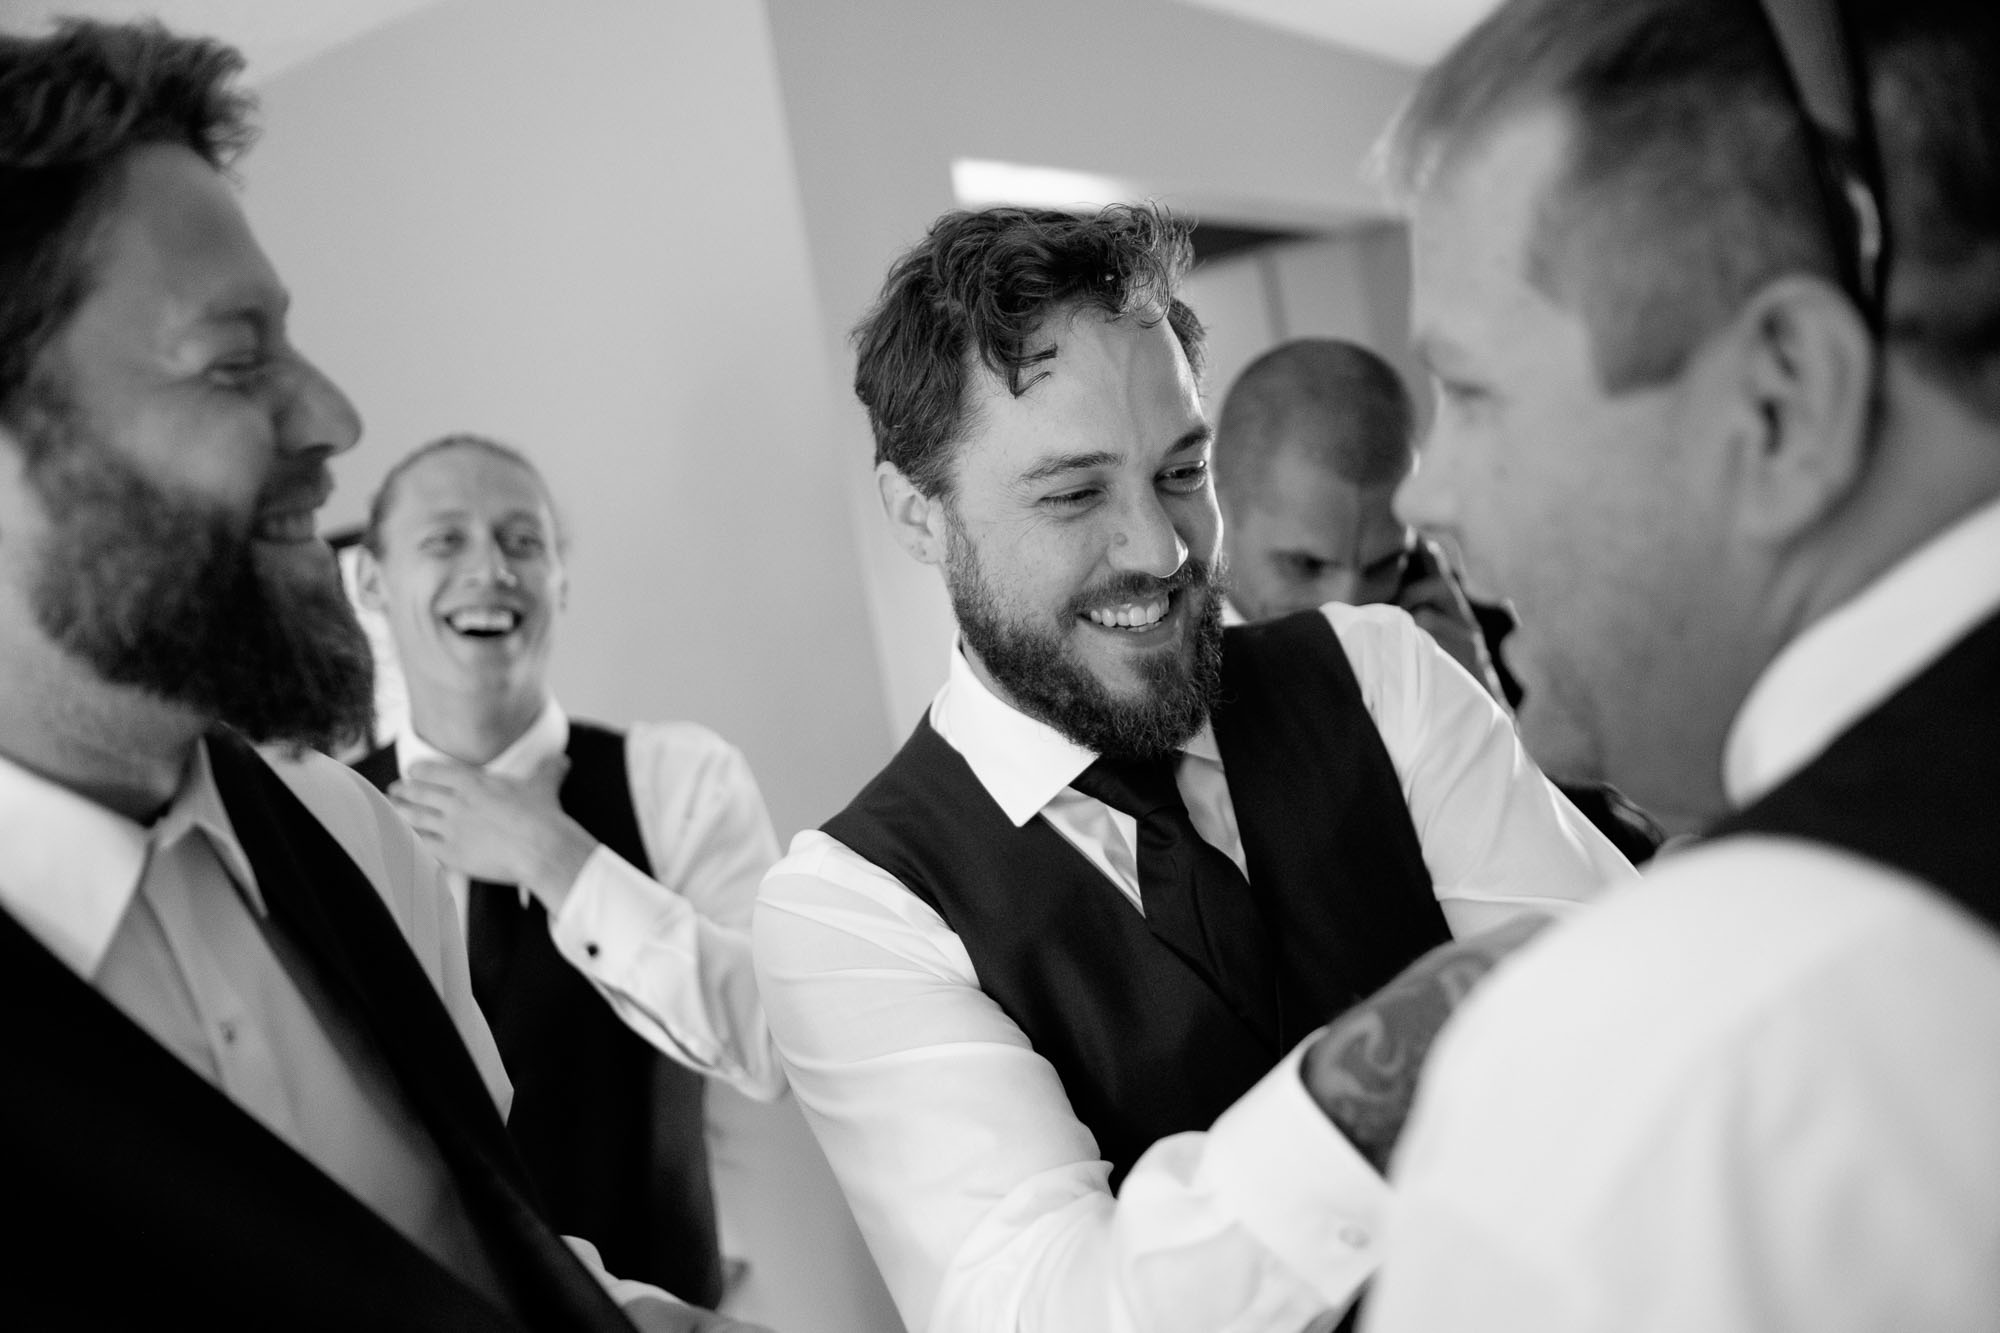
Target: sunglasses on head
{"x":1831,"y":88}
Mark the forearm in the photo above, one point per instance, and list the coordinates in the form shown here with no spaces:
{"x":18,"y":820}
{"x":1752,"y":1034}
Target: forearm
{"x":1363,"y":1069}
{"x":683,"y":982}
{"x":984,"y":1200}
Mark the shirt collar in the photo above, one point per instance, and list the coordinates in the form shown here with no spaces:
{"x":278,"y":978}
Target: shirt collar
{"x":547,"y":735}
{"x":69,"y":866}
{"x":1022,"y":762}
{"x":1852,"y":659}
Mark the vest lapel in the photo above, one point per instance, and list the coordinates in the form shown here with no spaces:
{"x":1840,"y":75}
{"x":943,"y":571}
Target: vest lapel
{"x":121,"y":1155}
{"x":321,"y":898}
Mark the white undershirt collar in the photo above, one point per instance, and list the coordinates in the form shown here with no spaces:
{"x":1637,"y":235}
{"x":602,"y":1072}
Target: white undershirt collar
{"x":1023,"y":763}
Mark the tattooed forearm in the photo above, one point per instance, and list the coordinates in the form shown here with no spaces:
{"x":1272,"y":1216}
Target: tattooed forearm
{"x":1363,"y":1069}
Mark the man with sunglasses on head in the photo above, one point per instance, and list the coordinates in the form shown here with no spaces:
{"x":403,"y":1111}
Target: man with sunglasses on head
{"x":1741,"y":472}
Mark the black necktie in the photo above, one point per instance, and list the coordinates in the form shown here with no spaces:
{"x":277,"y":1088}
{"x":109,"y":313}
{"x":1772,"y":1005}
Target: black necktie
{"x":1197,"y":902}
{"x":493,"y":915}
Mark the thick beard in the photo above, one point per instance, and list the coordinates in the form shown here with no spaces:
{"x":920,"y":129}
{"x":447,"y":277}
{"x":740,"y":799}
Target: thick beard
{"x":1038,"y":666}
{"x":157,"y":590}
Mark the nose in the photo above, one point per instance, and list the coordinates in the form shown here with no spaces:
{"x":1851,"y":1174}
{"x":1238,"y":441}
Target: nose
{"x":317,"y":416}
{"x":1426,"y":500}
{"x":1145,"y":539}
{"x":490,"y":563}
{"x":1341,"y":586}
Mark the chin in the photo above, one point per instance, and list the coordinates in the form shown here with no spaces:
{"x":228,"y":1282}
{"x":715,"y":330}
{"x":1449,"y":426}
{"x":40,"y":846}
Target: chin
{"x":1560,"y":746}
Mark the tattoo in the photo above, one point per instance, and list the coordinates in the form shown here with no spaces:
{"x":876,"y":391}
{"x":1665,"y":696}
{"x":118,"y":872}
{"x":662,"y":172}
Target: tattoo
{"x":1363,"y":1069}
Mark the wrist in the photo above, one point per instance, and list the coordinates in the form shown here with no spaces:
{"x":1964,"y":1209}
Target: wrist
{"x":559,"y":864}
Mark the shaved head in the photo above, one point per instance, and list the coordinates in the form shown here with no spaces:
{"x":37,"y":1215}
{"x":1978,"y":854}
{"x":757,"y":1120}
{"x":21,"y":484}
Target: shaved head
{"x":1313,"y":440}
{"x":1338,"y":403}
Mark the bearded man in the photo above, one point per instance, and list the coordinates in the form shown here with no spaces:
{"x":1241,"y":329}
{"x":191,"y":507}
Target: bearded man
{"x":1128,"y":861}
{"x":248,"y":1081}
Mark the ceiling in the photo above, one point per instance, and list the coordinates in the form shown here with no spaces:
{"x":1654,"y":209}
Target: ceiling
{"x":273,"y":35}
{"x":1410,"y":32}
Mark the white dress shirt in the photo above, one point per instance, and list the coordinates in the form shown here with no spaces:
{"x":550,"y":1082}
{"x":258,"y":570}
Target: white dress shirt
{"x":670,"y":951}
{"x":981,"y":1195}
{"x":1759,"y":1092}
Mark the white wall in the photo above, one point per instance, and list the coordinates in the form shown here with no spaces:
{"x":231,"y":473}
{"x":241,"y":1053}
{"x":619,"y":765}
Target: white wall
{"x":883,"y":95}
{"x":1353,"y":283}
{"x":577,"y":227}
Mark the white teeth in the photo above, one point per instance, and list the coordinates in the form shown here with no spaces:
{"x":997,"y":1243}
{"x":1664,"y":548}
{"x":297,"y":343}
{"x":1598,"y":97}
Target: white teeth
{"x":290,"y":526}
{"x":484,"y":620}
{"x":1131,"y":615}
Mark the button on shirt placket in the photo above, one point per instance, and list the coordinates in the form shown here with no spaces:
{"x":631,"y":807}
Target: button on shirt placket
{"x":200,"y":927}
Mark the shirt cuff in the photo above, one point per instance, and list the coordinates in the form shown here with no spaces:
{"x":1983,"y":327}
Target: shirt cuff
{"x":1294,"y":1181}
{"x":612,"y":912}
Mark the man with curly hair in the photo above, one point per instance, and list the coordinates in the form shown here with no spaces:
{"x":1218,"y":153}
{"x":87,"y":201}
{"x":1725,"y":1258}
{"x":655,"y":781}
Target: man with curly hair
{"x":1128,"y":861}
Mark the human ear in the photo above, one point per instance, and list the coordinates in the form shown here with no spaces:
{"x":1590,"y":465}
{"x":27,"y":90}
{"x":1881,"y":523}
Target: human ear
{"x":1807,"y":366}
{"x":916,"y":520}
{"x":368,"y":580}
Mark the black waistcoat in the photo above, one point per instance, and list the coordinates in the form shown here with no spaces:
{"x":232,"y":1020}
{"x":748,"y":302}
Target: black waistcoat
{"x":142,"y":1195}
{"x":611,"y":1130}
{"x":1143,"y":1046}
{"x":1915,"y":784}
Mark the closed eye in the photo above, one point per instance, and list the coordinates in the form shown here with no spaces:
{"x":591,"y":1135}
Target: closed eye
{"x":522,"y":545}
{"x":1299,"y":566}
{"x":1186,"y":479}
{"x":1076,"y":499}
{"x":239,"y":374}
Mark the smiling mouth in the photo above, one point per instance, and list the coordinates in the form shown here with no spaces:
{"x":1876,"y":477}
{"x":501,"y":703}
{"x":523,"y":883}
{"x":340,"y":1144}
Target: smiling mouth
{"x":484,"y":622}
{"x":1131,"y":615}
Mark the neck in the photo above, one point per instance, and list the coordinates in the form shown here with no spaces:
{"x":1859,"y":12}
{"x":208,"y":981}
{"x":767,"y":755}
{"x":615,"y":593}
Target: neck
{"x":1933,"y":464}
{"x":122,"y":748}
{"x":474,"y":727}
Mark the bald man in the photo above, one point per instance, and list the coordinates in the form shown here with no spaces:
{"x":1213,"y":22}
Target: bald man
{"x":1314,"y":438}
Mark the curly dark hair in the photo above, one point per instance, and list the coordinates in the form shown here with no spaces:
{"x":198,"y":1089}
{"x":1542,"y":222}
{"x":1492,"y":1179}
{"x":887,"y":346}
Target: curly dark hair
{"x":979,"y":290}
{"x":72,"y":105}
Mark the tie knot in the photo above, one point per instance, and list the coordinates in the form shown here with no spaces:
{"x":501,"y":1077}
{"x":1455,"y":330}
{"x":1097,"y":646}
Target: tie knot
{"x":1139,"y":787}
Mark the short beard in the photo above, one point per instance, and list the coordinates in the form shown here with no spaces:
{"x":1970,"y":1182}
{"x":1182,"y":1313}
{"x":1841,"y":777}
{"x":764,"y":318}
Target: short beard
{"x":157,"y":590}
{"x":1039,"y":669}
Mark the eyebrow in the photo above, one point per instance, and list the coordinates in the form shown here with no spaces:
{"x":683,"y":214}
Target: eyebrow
{"x":1066,"y":463}
{"x":1194,"y":439}
{"x":1061,"y":463}
{"x":460,"y":513}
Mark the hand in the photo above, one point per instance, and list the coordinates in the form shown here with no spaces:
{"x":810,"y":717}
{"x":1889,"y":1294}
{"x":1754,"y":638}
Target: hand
{"x":1363,"y":1069}
{"x":507,"y":830}
{"x":652,"y":1315}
